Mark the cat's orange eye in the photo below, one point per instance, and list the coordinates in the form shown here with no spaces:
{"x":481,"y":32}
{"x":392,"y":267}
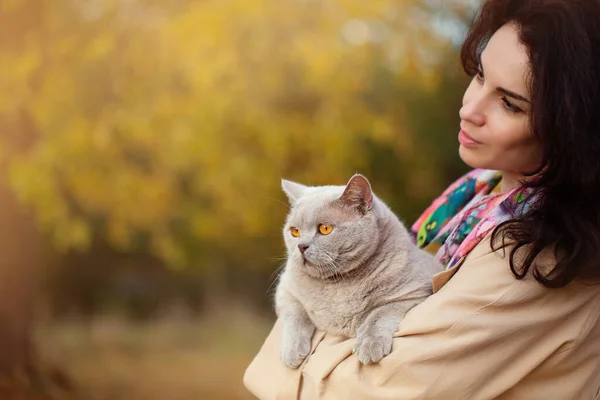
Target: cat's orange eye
{"x":295,"y":231}
{"x":325,"y":229}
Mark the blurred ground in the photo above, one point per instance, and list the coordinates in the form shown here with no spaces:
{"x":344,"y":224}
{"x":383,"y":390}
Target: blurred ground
{"x":111,"y":358}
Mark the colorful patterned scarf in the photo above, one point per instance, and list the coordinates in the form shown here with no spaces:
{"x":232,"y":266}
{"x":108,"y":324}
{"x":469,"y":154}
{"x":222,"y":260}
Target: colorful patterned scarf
{"x":465,"y":213}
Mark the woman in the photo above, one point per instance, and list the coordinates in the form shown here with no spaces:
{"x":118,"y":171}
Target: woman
{"x":516,"y":314}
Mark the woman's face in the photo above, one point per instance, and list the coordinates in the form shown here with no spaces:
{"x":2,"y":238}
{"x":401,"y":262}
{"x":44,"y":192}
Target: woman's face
{"x":495,"y":131}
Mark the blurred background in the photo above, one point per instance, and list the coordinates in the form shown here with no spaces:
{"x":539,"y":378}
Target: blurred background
{"x":142,"y":144}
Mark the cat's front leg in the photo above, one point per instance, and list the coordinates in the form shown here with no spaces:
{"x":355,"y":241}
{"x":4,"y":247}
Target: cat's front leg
{"x":375,"y":336}
{"x":297,"y":333}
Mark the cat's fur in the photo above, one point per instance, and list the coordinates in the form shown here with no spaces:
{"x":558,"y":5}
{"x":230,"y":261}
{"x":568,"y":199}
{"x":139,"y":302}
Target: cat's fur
{"x":358,"y":281}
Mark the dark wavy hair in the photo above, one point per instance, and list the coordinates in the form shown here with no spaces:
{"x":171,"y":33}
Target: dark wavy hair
{"x":562,"y":38}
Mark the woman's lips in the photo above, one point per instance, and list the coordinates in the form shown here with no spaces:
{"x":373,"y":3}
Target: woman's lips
{"x":467,"y":140}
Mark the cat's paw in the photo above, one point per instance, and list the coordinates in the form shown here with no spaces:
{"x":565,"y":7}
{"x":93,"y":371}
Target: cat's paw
{"x":371,"y":348}
{"x":294,"y":349}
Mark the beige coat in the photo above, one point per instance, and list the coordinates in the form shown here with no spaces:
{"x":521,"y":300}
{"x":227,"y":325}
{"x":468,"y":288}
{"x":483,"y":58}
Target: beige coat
{"x":482,"y":335}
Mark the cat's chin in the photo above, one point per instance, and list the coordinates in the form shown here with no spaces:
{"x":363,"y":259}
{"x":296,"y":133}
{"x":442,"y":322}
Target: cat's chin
{"x":316,"y":272}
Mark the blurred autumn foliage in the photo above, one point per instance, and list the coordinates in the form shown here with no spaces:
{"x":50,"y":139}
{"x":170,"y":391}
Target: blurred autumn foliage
{"x":161,"y":125}
{"x":148,"y":137}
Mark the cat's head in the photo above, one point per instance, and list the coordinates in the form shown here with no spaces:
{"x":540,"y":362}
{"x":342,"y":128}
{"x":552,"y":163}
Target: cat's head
{"x":330,"y":230}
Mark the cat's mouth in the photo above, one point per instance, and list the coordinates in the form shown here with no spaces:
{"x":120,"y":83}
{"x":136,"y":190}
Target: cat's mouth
{"x":307,"y":263}
{"x":317,"y":270}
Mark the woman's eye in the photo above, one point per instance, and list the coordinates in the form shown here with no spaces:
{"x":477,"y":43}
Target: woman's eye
{"x":325,"y":229}
{"x":295,"y":231}
{"x":510,"y":107}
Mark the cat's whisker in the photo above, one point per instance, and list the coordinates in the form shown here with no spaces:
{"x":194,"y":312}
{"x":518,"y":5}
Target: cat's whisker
{"x":278,"y":201}
{"x":338,"y":276}
{"x":279,"y":268}
{"x":325,"y":263}
{"x":278,"y":271}
{"x":277,"y":258}
{"x":321,"y":272}
{"x":336,"y":267}
{"x":332,"y":271}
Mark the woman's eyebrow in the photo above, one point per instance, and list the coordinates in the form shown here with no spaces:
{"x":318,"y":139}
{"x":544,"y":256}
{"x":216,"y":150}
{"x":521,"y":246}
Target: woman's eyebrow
{"x":512,"y":94}
{"x":502,"y":90}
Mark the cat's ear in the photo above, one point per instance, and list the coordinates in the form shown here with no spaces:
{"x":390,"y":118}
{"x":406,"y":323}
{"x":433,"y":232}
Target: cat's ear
{"x":358,"y":194}
{"x":293,"y":190}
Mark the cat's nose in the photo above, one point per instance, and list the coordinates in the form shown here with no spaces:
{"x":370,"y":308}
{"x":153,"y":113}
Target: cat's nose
{"x":302,"y":248}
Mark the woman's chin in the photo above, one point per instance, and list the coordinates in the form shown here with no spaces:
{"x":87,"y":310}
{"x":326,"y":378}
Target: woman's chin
{"x":470,"y":157}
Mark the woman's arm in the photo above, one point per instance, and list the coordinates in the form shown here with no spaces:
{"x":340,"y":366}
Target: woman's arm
{"x":476,"y":338}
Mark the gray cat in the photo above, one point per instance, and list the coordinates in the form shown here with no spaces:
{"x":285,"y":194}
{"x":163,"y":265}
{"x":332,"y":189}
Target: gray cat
{"x":352,"y":270}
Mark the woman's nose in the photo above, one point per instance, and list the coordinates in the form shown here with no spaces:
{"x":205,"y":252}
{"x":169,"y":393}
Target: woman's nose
{"x":472,"y":111}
